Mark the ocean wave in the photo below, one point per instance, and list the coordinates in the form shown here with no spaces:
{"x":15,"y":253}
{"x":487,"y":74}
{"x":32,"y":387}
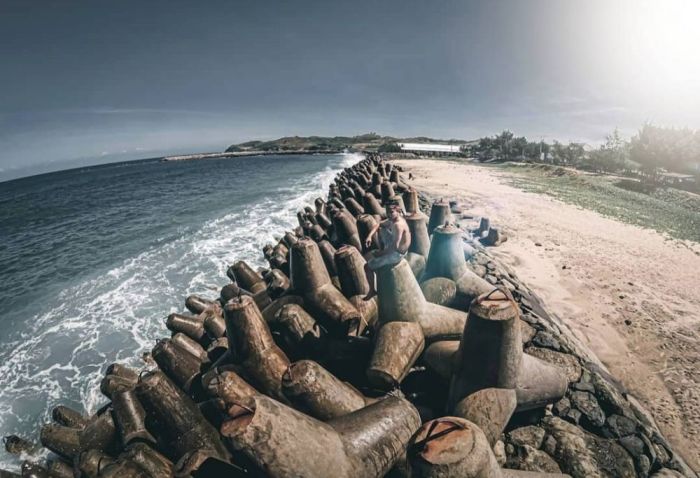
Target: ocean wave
{"x":61,"y":355}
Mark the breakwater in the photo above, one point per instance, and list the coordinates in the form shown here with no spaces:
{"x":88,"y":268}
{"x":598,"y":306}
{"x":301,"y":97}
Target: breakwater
{"x":258,"y":380}
{"x":242,"y":154}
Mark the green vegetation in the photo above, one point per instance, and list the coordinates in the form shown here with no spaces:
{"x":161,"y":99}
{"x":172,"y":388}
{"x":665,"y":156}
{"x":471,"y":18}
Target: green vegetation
{"x":649,"y":155}
{"x":666,"y":210}
{"x":370,"y":141}
{"x":389,"y":148}
{"x":672,"y":149}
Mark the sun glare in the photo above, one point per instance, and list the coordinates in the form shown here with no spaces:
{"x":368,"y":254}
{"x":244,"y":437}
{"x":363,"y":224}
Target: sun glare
{"x":662,"y":39}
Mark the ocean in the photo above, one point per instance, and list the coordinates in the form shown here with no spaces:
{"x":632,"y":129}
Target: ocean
{"x":92,"y":260}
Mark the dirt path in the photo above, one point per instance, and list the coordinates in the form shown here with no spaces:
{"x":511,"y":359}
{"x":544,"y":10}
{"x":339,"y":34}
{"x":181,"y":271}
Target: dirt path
{"x":630,"y":294}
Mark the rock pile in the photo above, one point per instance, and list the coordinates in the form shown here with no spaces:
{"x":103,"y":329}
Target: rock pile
{"x":453,"y":369}
{"x":597,"y":428}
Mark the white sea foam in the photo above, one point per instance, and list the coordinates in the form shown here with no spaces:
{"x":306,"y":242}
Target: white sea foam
{"x":61,"y":355}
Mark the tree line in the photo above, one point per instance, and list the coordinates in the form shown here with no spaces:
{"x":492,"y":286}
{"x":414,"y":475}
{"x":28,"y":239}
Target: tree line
{"x":652,"y":151}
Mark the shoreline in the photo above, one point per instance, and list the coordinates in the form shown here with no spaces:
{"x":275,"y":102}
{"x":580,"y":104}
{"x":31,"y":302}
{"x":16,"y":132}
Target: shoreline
{"x":558,"y":429}
{"x":241,"y":154}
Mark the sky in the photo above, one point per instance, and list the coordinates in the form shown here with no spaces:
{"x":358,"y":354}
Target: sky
{"x":91,"y":81}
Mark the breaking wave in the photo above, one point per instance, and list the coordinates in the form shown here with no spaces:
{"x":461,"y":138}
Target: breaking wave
{"x":59,"y":355}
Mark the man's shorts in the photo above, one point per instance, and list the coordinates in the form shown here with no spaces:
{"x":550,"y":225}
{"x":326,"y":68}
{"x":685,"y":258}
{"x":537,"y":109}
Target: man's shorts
{"x":391,"y":259}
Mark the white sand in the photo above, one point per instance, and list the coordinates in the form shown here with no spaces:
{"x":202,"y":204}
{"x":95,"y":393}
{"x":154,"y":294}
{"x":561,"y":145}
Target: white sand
{"x":596,"y":273}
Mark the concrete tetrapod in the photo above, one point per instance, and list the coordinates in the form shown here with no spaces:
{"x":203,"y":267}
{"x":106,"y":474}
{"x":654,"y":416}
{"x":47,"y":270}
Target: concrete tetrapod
{"x":493,"y":238}
{"x":446,"y":259}
{"x":190,"y":346}
{"x":90,"y":462}
{"x":190,"y":325}
{"x":439,"y":215}
{"x":225,"y":384}
{"x":490,"y":409}
{"x":28,"y":470}
{"x":420,"y":239}
{"x":58,"y":469}
{"x":345,"y":228}
{"x":359,"y":191}
{"x":397,"y":347}
{"x":442,"y":291}
{"x":372,"y":206}
{"x":130,"y":418}
{"x":353,"y":283}
{"x":375,"y":437}
{"x":283,"y":442}
{"x":150,"y":460}
{"x":452,"y":447}
{"x":328,"y":254}
{"x":99,"y":433}
{"x":216,"y":349}
{"x":271,"y":310}
{"x":63,"y":441}
{"x":439,"y":357}
{"x":491,"y":355}
{"x":122,"y":371}
{"x":202,"y":464}
{"x":324,"y":222}
{"x":310,"y":278}
{"x":320,"y":205}
{"x":16,"y":445}
{"x":229,"y":291}
{"x":298,"y":331}
{"x":123,"y":468}
{"x":410,"y":200}
{"x":178,"y":416}
{"x":277,"y":283}
{"x":354,"y":207}
{"x":420,"y":243}
{"x":247,"y":278}
{"x":114,"y":383}
{"x":365,"y":223}
{"x":197,"y":304}
{"x":261,"y":361}
{"x":400,"y":299}
{"x":317,"y":233}
{"x":315,"y":391}
{"x":178,"y":364}
{"x":68,"y":417}
{"x":214,"y":323}
{"x":387,"y":191}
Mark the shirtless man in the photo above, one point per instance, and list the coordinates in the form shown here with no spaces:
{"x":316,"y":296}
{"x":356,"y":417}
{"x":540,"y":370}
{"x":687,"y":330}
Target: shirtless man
{"x":394,"y":240}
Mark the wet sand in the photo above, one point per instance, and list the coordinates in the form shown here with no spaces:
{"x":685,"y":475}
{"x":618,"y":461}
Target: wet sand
{"x":630,"y":294}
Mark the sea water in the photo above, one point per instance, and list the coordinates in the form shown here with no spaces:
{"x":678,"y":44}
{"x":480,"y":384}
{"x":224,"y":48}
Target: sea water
{"x":92,"y":260}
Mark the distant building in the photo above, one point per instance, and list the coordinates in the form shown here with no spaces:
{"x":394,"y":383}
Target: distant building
{"x":430,"y":148}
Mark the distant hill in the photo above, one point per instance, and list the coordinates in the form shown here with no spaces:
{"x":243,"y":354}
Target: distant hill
{"x":370,"y":141}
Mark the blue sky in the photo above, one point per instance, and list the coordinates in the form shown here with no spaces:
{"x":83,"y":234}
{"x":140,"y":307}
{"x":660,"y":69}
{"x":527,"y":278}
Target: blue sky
{"x":94,"y":81}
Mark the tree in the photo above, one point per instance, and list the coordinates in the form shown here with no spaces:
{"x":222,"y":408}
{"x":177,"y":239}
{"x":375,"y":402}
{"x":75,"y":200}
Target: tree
{"x":503,"y":142}
{"x":600,"y":160}
{"x":656,"y":148}
{"x":649,"y":149}
{"x":389,"y":148}
{"x":570,"y":154}
{"x":615,"y":151}
{"x":517,"y":147}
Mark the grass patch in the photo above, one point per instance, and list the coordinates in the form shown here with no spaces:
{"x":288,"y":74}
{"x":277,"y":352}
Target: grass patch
{"x":666,"y":210}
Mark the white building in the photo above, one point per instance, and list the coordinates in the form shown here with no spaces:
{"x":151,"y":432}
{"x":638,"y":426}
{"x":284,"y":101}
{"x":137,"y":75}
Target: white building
{"x":429,"y":148}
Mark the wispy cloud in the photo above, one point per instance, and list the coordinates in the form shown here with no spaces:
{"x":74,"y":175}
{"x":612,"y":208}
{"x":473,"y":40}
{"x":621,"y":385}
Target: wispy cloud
{"x":110,"y":111}
{"x":143,"y":111}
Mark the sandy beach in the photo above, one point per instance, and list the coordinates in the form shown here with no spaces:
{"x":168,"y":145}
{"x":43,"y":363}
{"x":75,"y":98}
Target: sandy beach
{"x":632,"y":295}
